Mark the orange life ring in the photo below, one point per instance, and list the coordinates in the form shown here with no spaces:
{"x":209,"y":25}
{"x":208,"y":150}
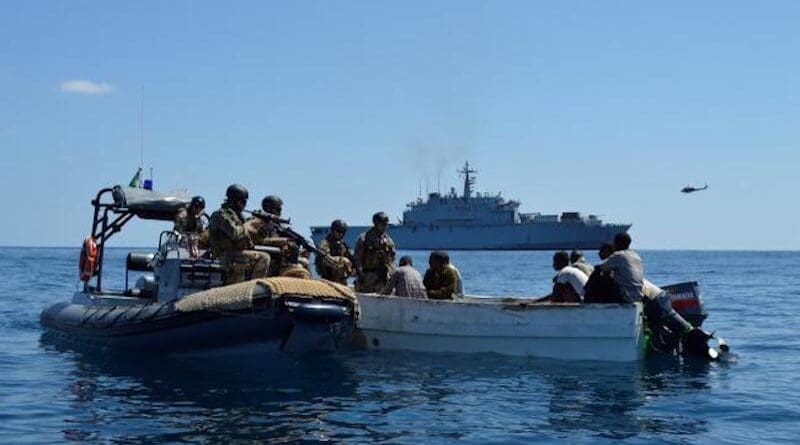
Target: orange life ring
{"x":88,"y":261}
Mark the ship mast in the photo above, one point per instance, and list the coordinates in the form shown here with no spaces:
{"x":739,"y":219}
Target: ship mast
{"x":469,"y":181}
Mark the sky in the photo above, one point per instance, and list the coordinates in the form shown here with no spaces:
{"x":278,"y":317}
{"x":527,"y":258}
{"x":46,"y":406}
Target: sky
{"x":345,"y":108}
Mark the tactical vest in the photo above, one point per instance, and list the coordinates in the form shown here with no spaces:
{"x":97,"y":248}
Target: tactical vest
{"x":185,"y":222}
{"x":378,"y":251}
{"x":222,"y":221}
{"x":337,"y":248}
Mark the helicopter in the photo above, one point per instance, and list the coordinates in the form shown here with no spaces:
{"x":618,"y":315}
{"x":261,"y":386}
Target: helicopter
{"x":689,"y":189}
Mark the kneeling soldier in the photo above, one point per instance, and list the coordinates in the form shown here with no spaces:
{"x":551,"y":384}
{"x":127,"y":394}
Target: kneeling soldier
{"x":231,"y":239}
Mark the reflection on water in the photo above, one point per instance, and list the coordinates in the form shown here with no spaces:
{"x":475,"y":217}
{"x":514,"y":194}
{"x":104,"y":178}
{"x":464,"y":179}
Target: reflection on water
{"x":49,"y":395}
{"x":367,"y":397}
{"x":609,"y":400}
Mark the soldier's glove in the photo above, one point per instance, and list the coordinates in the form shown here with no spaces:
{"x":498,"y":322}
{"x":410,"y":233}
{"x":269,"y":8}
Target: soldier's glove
{"x":348,"y":267}
{"x":343,"y":265}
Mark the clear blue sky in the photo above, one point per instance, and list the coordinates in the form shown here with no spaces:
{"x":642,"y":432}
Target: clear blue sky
{"x":343,"y":107}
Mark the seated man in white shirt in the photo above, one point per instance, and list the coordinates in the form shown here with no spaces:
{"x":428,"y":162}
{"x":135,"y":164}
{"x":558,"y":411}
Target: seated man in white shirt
{"x":568,"y":282}
{"x":627,"y":268}
{"x":405,"y":281}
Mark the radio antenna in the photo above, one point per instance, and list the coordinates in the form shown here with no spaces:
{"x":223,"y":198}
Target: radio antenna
{"x":141,"y":128}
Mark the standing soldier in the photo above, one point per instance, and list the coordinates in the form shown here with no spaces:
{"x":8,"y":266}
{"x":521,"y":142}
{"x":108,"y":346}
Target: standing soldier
{"x":231,"y":238}
{"x":337,"y":266}
{"x":189,"y":220}
{"x":374,"y":256}
{"x":189,"y":223}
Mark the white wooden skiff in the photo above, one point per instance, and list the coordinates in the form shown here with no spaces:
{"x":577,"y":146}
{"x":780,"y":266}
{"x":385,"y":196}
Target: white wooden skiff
{"x":609,"y":332}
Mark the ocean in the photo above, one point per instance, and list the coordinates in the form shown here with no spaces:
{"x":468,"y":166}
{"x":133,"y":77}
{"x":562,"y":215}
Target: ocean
{"x":52,"y":394}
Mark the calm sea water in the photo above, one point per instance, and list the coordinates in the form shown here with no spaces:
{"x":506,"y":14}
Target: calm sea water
{"x":50,"y":395}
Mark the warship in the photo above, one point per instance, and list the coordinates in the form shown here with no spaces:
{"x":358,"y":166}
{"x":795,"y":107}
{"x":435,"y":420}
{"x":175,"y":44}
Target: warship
{"x":483,"y":221}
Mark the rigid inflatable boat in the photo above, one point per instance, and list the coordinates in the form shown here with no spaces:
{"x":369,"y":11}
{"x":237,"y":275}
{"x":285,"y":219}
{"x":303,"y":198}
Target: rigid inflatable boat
{"x":179,"y":304}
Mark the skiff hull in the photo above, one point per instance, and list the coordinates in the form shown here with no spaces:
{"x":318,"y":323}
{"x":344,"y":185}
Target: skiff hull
{"x":608,"y":332}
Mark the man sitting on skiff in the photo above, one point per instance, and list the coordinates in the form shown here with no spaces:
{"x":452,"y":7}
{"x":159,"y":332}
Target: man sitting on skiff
{"x":626,"y":267}
{"x":569,"y":281}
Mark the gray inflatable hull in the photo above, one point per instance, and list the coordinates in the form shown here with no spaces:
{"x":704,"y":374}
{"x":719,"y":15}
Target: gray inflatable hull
{"x":159,"y":328}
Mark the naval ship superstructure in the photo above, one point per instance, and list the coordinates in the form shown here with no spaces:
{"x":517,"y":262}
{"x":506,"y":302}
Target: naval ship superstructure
{"x":481,"y":221}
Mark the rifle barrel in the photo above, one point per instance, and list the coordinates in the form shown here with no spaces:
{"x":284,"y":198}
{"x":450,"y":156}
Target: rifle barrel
{"x":283,"y":229}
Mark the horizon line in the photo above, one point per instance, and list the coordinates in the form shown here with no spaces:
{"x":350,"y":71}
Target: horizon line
{"x":664,"y":249}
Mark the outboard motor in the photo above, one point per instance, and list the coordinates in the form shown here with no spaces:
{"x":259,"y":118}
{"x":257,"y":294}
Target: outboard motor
{"x":674,"y":318}
{"x":686,"y":301}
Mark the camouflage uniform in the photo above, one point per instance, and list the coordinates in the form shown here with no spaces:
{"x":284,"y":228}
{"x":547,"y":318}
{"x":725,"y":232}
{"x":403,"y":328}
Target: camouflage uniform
{"x":374,"y":258}
{"x":441,"y":284}
{"x":269,"y":236}
{"x":266,"y":234}
{"x":336,"y":270}
{"x":230,"y":241}
{"x":191,"y":227}
{"x":187,"y":223}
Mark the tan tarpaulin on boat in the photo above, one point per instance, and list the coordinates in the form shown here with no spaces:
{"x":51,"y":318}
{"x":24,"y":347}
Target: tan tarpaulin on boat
{"x":241,"y":295}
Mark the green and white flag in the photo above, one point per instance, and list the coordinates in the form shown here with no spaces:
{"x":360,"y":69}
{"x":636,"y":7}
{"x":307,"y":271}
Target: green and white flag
{"x":136,"y":181}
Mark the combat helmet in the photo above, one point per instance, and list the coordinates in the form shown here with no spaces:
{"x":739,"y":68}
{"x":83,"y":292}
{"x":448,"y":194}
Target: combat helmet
{"x":271,"y":202}
{"x":380,"y":217}
{"x":236,"y":192}
{"x":198,"y":202}
{"x":339,"y":225}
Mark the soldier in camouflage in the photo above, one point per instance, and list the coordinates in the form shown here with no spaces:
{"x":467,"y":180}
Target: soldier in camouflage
{"x":337,"y":265}
{"x":231,"y":239}
{"x":374,"y":256}
{"x":189,"y":223}
{"x":189,"y":220}
{"x":268,"y":235}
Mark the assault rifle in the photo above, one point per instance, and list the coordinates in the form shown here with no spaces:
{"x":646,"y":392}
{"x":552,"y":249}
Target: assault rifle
{"x":268,"y":217}
{"x":281,"y":226}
